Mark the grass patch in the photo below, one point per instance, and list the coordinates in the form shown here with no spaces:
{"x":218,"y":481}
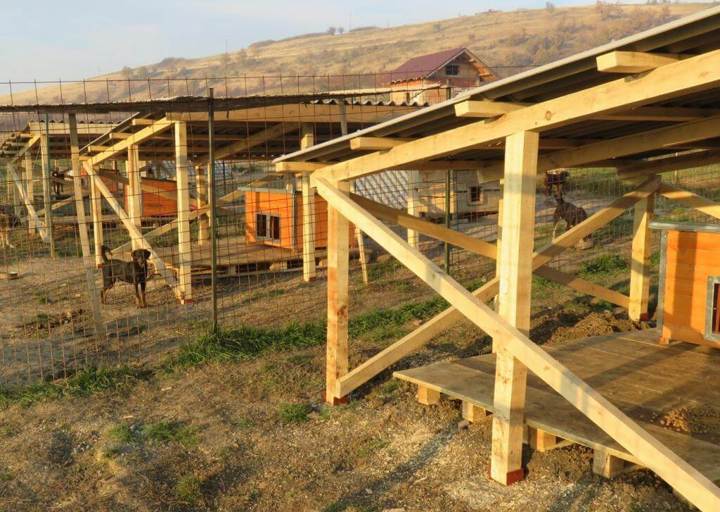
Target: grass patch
{"x":83,"y":383}
{"x":294,"y":413}
{"x":188,"y":489}
{"x":604,"y":264}
{"x":161,"y":432}
{"x":246,"y":342}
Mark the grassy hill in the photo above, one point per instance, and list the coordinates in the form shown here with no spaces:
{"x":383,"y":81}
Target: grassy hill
{"x":509,"y":42}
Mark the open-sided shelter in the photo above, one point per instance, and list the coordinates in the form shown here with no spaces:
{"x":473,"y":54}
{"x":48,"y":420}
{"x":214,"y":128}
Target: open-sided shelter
{"x":643,"y":105}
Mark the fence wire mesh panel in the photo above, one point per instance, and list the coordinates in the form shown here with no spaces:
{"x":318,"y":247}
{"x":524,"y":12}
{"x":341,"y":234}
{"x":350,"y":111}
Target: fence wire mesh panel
{"x":106,"y":253}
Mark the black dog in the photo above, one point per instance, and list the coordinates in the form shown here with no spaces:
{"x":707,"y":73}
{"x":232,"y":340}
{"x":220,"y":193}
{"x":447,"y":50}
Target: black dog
{"x":571,"y":214}
{"x":134,"y":272}
{"x":555,"y":182}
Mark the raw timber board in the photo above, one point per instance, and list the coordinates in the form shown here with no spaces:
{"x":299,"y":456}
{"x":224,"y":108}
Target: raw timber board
{"x":639,"y":376}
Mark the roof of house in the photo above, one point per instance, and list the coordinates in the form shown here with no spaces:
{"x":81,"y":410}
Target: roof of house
{"x":691,"y":35}
{"x":425,"y":65}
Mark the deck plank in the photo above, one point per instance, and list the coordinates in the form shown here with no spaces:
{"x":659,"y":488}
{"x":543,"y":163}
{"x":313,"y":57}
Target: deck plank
{"x":641,"y":378}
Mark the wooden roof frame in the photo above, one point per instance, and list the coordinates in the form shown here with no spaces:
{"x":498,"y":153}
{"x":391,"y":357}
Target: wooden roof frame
{"x":651,"y":136}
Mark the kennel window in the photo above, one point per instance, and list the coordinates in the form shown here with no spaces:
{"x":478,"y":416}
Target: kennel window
{"x":477,"y":195}
{"x":452,"y":70}
{"x":712,"y":324}
{"x":267,"y":226}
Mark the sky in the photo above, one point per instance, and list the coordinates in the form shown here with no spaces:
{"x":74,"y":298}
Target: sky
{"x":75,"y":39}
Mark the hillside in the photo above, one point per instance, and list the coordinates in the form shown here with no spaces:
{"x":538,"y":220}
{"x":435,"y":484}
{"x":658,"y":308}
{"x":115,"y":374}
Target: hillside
{"x":509,"y":42}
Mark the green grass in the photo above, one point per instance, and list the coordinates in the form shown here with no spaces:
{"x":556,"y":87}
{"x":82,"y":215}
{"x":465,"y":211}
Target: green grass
{"x":161,"y":432}
{"x":188,"y":489}
{"x":294,"y":413}
{"x":604,"y":264}
{"x":246,"y":342}
{"x":83,"y":383}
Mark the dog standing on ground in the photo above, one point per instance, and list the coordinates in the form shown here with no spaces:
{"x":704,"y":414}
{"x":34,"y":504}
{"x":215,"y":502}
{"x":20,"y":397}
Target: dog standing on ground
{"x":58,"y":182}
{"x":134,"y":272}
{"x":571,"y":214}
{"x":8,"y":220}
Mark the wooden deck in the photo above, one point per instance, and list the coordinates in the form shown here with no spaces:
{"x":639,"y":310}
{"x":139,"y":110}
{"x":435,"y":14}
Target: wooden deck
{"x":636,"y":374}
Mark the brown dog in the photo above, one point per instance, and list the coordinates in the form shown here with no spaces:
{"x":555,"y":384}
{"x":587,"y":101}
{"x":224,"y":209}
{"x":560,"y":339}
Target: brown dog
{"x":134,"y":272}
{"x":8,"y":220}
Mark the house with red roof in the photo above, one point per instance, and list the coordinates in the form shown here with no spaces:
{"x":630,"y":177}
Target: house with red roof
{"x":438,"y":76}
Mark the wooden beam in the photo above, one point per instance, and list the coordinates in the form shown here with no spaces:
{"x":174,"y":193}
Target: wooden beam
{"x":640,"y":261}
{"x":136,"y":138}
{"x":652,"y":453}
{"x":78,"y":196}
{"x":641,"y":170}
{"x":251,"y":141}
{"x":516,"y":256}
{"x":485,"y":108}
{"x":699,"y":203}
{"x":183,"y":214}
{"x":683,"y":77}
{"x":338,"y":300}
{"x":633,"y":62}
{"x":483,"y":248}
{"x":585,"y":287}
{"x":46,"y":189}
{"x":133,"y":191}
{"x":96,"y":212}
{"x":375,"y":143}
{"x":30,"y":189}
{"x":28,"y":203}
{"x":413,"y":204}
{"x":450,"y":316}
{"x":308,"y":212}
{"x":142,"y":122}
{"x":165,"y":228}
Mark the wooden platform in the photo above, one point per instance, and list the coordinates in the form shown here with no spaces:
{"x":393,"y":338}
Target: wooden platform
{"x":639,"y":376}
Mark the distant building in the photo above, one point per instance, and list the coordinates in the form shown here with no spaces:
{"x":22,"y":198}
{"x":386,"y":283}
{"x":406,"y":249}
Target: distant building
{"x":442,"y":74}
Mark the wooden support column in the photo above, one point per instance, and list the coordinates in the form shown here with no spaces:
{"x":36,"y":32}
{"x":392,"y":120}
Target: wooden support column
{"x":639,"y":266}
{"x":498,"y":244}
{"x":183,"y":213}
{"x":201,"y":189}
{"x":133,"y":191}
{"x":93,"y":292}
{"x":338,"y":257}
{"x":96,"y":211}
{"x":308,"y":212}
{"x":29,"y":187}
{"x":46,"y":188}
{"x":413,"y":205}
{"x":518,"y":228}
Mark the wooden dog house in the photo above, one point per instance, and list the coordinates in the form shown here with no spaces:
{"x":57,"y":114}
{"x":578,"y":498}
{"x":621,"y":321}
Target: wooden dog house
{"x":688,"y":308}
{"x":274,"y":217}
{"x":159,"y":198}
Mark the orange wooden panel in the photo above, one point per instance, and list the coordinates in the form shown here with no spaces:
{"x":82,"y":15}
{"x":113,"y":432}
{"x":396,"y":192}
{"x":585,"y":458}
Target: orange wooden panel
{"x":690,"y":259}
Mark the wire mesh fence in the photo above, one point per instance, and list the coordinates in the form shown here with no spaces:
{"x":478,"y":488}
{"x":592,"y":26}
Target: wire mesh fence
{"x":76,"y":294}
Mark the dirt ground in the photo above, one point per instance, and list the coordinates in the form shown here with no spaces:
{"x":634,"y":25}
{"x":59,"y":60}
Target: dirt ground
{"x":254,"y":435}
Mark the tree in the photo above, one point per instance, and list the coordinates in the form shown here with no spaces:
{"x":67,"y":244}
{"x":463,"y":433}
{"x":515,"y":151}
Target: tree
{"x":331,"y":31}
{"x":549,"y":7}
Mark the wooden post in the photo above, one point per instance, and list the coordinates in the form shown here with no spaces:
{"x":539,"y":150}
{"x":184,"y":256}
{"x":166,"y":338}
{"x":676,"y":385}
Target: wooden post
{"x":518,"y":229}
{"x":96,"y":210}
{"x":133,"y":191}
{"x":639,"y":267}
{"x":183,"y":213}
{"x":201,"y":189}
{"x":93,"y":292}
{"x":47,"y":201}
{"x":308,"y":213}
{"x":337,"y":293}
{"x":30,"y":187}
{"x":498,"y":244}
{"x":413,"y":205}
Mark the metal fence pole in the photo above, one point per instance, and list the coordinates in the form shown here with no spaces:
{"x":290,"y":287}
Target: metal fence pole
{"x":211,"y":206}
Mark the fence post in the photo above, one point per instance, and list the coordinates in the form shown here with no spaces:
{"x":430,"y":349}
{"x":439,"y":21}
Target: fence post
{"x":47,"y":200}
{"x":211,"y":207}
{"x":90,"y":269}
